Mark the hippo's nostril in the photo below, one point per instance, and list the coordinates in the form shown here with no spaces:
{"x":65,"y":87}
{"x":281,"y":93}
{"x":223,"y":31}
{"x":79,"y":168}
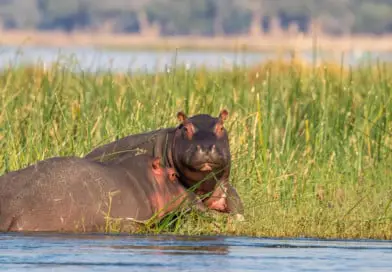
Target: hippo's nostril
{"x":198,"y":148}
{"x":213,"y":149}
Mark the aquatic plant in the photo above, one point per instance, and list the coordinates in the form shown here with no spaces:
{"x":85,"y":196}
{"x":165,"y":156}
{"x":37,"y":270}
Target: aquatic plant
{"x":311,"y":143}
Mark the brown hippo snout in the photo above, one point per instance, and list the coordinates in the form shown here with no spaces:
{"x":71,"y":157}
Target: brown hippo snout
{"x":206,"y":157}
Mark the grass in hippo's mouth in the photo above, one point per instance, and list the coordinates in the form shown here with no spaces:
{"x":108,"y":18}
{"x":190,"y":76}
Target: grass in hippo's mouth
{"x":311,"y":145}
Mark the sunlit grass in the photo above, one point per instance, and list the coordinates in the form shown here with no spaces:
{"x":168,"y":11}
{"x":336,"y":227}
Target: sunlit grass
{"x":311,"y":145}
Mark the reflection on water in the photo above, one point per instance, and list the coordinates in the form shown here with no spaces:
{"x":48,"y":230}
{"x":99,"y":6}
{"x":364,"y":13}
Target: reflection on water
{"x":44,"y":252}
{"x":176,"y":250}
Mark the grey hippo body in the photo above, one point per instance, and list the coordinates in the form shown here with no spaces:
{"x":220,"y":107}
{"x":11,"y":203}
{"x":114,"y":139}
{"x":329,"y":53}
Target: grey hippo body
{"x":74,"y":194}
{"x":198,"y":149}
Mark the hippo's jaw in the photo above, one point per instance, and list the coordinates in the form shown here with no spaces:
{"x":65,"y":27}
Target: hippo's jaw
{"x":203,"y":165}
{"x":206,"y":167}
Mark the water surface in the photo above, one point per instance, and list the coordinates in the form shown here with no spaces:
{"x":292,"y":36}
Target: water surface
{"x":92,"y":59}
{"x":77,"y":253}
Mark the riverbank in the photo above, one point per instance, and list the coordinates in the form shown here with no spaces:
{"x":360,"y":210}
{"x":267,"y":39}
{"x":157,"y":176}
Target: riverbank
{"x":311,"y":147}
{"x":265,"y":43}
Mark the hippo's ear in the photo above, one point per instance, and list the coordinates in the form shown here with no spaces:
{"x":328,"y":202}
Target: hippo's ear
{"x":181,"y":116}
{"x":223,"y":115}
{"x":156,"y":163}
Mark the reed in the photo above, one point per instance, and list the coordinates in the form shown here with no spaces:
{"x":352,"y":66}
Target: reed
{"x":311,"y":144}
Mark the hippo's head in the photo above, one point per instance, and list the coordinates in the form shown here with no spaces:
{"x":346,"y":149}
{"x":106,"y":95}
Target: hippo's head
{"x":162,"y":174}
{"x":169,"y":193}
{"x":201,"y":146}
{"x":163,"y":177}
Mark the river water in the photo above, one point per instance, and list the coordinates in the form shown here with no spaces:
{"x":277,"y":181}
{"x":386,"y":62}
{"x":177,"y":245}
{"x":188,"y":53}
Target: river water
{"x":92,"y":59}
{"x":77,"y":253}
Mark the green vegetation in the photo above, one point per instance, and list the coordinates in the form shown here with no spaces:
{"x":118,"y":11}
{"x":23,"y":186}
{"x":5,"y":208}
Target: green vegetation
{"x":311,"y":145}
{"x":205,"y":17}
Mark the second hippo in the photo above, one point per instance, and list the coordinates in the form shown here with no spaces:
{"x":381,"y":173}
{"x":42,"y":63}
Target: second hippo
{"x":70,"y":194}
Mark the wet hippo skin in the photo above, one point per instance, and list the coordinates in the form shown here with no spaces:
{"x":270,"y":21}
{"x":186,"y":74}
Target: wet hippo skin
{"x":74,"y":194}
{"x":197,"y":148}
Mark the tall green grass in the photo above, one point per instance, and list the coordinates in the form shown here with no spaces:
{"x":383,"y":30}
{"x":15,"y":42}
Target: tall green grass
{"x":311,"y":145}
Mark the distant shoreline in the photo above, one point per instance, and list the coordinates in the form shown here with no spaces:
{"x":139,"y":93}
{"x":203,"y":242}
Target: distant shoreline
{"x":282,"y":43}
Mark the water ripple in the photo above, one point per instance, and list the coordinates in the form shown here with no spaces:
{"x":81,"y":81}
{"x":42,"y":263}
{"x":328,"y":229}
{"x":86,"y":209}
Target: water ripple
{"x":59,"y":252}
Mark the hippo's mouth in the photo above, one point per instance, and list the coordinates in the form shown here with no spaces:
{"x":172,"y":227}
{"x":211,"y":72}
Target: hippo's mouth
{"x":207,"y":166}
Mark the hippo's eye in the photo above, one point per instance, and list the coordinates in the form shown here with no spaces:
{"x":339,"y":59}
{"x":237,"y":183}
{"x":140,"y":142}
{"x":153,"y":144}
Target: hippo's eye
{"x":172,"y":176}
{"x":189,"y":130}
{"x":219,"y":129}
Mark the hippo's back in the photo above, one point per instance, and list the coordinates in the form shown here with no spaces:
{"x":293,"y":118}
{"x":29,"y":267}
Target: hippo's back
{"x":37,"y":175}
{"x":153,"y":143}
{"x":54,"y":194}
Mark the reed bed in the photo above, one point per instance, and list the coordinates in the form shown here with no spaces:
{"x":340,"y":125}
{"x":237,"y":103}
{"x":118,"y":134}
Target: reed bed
{"x":311,"y":144}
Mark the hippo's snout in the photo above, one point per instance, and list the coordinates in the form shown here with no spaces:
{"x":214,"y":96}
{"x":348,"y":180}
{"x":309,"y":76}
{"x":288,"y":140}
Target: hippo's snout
{"x":207,"y":152}
{"x":206,"y":158}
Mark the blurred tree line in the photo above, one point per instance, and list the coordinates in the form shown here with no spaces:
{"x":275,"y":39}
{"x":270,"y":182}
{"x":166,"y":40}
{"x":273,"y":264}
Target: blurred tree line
{"x":199,"y":17}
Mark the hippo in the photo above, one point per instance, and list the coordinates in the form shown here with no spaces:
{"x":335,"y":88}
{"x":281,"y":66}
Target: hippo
{"x":198,"y":149}
{"x":72,"y":194}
